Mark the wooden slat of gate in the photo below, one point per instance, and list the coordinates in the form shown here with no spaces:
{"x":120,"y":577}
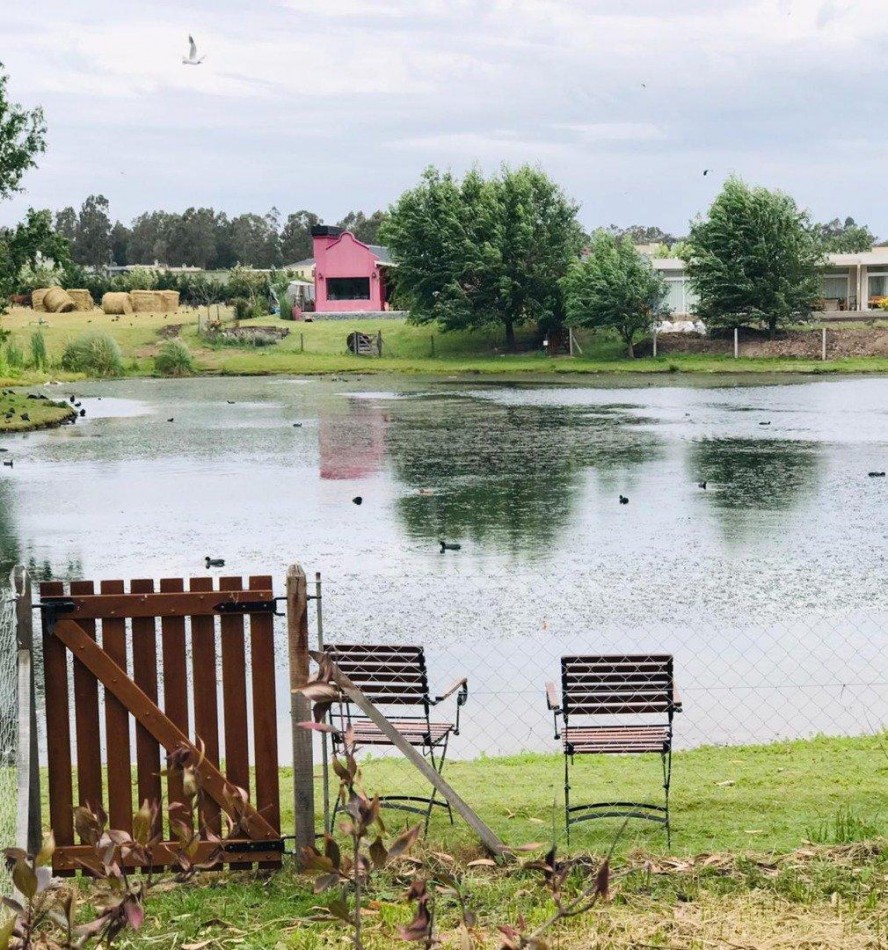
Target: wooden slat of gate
{"x":206,"y":706}
{"x":145,"y":675}
{"x":234,"y":697}
{"x":175,"y":680}
{"x":265,"y":751}
{"x":120,"y":785}
{"x":86,"y":712}
{"x":58,"y":729}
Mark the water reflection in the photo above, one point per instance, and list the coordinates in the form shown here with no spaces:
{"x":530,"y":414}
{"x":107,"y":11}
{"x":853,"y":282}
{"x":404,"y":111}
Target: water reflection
{"x":505,"y":474}
{"x":763,"y":474}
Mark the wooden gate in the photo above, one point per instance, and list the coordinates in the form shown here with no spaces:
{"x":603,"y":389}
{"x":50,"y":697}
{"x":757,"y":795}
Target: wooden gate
{"x":110,"y":638}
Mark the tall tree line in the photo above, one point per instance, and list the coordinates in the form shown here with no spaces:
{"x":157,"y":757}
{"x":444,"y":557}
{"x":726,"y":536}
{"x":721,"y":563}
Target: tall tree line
{"x":198,"y":237}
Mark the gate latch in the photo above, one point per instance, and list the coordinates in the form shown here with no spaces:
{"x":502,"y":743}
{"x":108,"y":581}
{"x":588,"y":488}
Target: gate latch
{"x":250,"y":607}
{"x":252,"y":847}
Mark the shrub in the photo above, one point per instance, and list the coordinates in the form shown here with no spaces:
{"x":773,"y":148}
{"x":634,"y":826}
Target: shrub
{"x":96,"y":354}
{"x":174,"y":359}
{"x":15,"y":358}
{"x":39,"y":357}
{"x":243,"y":309}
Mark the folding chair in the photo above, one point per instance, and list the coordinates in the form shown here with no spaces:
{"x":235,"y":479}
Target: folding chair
{"x":396,"y":676}
{"x":593,"y":686}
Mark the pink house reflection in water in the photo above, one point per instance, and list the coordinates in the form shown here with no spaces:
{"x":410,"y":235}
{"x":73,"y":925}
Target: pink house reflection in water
{"x":352,"y":443}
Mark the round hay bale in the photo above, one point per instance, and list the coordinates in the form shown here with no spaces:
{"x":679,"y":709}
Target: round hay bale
{"x":146,"y":301}
{"x":57,"y":300}
{"x":37,"y":299}
{"x":117,"y":303}
{"x":169,"y":300}
{"x":82,"y":299}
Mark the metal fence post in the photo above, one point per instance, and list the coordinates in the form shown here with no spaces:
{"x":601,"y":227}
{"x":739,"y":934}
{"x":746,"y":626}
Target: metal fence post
{"x":28,"y":824}
{"x":736,"y":343}
{"x":300,"y":707}
{"x":823,"y":345}
{"x":655,"y":342}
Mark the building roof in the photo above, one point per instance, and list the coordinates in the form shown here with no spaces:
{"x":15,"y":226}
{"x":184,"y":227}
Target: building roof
{"x":382,"y":253}
{"x":305,"y":262}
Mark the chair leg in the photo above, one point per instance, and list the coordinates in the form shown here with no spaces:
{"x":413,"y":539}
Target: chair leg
{"x":567,"y":796}
{"x":666,"y":758}
{"x":441,"y":770}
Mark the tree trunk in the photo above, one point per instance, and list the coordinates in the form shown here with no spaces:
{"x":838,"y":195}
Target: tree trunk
{"x":630,"y":349}
{"x":510,"y":335}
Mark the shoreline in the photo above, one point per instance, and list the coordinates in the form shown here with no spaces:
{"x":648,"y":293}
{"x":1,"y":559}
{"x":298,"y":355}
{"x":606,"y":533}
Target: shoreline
{"x":42,"y":413}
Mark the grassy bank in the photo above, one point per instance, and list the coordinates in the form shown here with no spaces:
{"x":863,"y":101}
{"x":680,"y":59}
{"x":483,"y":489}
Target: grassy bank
{"x":20,"y":414}
{"x":320,"y":347}
{"x":766,"y":851}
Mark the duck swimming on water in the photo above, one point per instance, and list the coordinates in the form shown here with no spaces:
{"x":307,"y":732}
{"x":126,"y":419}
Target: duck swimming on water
{"x":449,"y":546}
{"x":214,"y":561}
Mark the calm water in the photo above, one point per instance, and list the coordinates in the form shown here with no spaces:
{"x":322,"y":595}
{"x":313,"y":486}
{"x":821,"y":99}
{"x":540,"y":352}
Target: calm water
{"x":769,"y":586}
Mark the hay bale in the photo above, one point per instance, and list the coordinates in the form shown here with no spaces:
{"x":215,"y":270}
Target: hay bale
{"x":117,"y":303}
{"x":56,"y":300}
{"x":146,"y":301}
{"x":169,"y":300}
{"x":37,"y":299}
{"x":82,"y":299}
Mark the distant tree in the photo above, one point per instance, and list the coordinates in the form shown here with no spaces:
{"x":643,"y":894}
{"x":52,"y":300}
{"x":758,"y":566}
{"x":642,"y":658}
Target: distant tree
{"x":66,"y":223}
{"x":192,"y":238}
{"x":844,"y":237}
{"x":254,"y":239}
{"x":614,"y":287}
{"x":754,"y":259}
{"x":120,"y":241}
{"x":364,"y":229}
{"x":296,"y":242}
{"x":22,"y":139}
{"x":92,"y":242}
{"x":32,"y":244}
{"x":479,"y":252}
{"x":643,"y":234}
{"x":149,"y":238}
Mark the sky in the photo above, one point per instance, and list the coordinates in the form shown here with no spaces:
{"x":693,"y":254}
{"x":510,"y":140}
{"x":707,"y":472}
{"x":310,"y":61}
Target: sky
{"x":332,"y":105}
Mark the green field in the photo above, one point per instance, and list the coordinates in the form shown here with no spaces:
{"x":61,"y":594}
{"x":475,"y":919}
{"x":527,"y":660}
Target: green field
{"x":39,"y":413}
{"x":767,"y":851}
{"x":320,"y":347}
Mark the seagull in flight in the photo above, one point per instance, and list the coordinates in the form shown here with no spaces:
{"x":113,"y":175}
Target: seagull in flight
{"x":192,"y":58}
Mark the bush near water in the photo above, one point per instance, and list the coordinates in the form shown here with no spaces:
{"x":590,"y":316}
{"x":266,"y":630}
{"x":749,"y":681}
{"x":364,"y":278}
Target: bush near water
{"x":96,"y":354}
{"x":174,"y":359}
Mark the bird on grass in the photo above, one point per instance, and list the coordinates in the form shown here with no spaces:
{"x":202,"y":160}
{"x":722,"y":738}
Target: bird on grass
{"x":449,"y":546}
{"x":214,"y":561}
{"x":25,"y":417}
{"x":624,"y":500}
{"x":192,"y":58}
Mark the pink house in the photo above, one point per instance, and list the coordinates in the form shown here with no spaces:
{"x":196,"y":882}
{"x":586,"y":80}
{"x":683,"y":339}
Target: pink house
{"x":349,"y":275}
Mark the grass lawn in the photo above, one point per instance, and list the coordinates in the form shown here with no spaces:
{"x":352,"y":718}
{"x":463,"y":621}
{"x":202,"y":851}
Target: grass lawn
{"x":40,"y":412}
{"x":320,"y":347}
{"x":766,"y":852}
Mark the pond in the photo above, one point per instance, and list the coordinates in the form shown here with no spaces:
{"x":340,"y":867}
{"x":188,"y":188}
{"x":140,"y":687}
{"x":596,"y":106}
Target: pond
{"x":768,"y":585}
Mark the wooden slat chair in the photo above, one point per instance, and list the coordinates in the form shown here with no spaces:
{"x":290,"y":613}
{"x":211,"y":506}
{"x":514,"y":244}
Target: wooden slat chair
{"x":395,"y":676}
{"x":593,"y":686}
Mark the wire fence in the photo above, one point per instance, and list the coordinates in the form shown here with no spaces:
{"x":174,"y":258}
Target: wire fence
{"x":742,"y":679}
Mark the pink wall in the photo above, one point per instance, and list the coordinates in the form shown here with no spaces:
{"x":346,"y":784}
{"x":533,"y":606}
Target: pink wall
{"x":345,"y":256}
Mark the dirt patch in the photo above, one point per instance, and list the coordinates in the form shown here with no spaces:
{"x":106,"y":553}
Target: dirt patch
{"x":840,"y":343}
{"x":170,"y":330}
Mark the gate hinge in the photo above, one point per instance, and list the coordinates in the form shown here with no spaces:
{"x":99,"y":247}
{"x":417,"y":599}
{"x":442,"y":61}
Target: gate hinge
{"x":250,"y":607}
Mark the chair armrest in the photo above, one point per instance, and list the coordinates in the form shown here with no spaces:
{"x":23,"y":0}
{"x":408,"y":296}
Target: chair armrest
{"x":460,"y":684}
{"x":552,"y":698}
{"x":676,"y":699}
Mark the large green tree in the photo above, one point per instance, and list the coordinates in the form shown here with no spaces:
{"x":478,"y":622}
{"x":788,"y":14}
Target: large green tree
{"x":365,"y":228}
{"x":296,"y":240}
{"x":22,"y":139}
{"x":479,"y":251}
{"x":754,"y":259}
{"x":614,"y":287}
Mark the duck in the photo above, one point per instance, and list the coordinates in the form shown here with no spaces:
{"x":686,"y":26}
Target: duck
{"x":230,"y":402}
{"x":449,"y":546}
{"x":357,"y":500}
{"x":876,"y":474}
{"x":25,"y":417}
{"x":701,"y":485}
{"x":764,"y":423}
{"x":171,"y":419}
{"x":7,"y":463}
{"x":214,"y":561}
{"x":82,"y":413}
{"x":297,"y":425}
{"x":624,"y":500}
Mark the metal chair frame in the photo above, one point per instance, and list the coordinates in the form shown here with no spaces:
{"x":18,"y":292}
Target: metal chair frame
{"x":648,"y":686}
{"x":370,"y":667}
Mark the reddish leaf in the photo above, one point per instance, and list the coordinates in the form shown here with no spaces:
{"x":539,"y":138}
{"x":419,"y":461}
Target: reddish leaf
{"x":602,"y":880}
{"x":378,"y":853}
{"x":404,"y":842}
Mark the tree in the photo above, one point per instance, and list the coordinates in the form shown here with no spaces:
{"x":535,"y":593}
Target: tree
{"x":66,"y":223}
{"x":192,"y":238}
{"x":22,"y":138}
{"x":92,"y":243}
{"x":296,"y":241}
{"x":364,"y":229}
{"x":254,"y":239}
{"x":32,"y":243}
{"x":480,"y":252}
{"x":614,"y":287}
{"x":149,"y":238}
{"x":643,"y":234}
{"x":844,"y":237}
{"x":754,"y":259}
{"x":120,"y":241}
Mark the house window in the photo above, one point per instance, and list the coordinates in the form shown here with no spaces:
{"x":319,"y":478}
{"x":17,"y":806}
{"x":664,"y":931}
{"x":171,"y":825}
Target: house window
{"x":348,"y":288}
{"x":878,"y":287}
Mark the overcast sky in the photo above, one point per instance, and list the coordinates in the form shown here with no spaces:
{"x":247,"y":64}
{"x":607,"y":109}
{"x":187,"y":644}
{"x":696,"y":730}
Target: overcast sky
{"x":338,"y":104}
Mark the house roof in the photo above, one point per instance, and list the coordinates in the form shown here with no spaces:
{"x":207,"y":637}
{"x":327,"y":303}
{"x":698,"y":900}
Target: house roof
{"x":306,"y":262}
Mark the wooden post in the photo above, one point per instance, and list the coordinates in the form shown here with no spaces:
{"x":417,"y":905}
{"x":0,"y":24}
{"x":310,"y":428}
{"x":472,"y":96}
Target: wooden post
{"x":655,"y":342}
{"x":736,"y":343}
{"x":823,"y":345}
{"x":433,"y":345}
{"x":301,"y":342}
{"x":379,"y":343}
{"x":488,"y":837}
{"x":570,"y":340}
{"x":300,"y":707}
{"x":28,"y":825}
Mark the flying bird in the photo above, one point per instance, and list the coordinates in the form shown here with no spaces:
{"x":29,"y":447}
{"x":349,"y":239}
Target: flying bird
{"x":192,"y":58}
{"x":705,"y":172}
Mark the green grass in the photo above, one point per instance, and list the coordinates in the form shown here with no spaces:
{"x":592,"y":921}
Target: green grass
{"x":42,"y":412}
{"x":751,"y":826}
{"x":320,"y":347}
